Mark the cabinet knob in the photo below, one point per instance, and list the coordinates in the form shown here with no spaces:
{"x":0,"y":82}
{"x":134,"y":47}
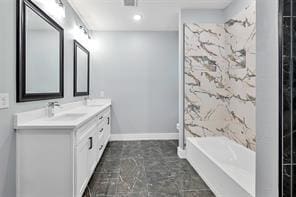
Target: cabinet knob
{"x":102,"y":129}
{"x":101,"y":147}
{"x":108,"y":120}
{"x":90,"y":143}
{"x":101,"y":118}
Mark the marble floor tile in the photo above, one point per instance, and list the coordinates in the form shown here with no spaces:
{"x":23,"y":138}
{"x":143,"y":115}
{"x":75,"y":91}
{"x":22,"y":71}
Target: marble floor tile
{"x":168,"y":148}
{"x":200,"y":193}
{"x":115,"y":144}
{"x":168,"y":185}
{"x":155,"y":164}
{"x":133,"y":194}
{"x":145,"y":169}
{"x":163,"y":194}
{"x":132,"y":149}
{"x":190,"y":182}
{"x":103,"y":188}
{"x":132,"y":176}
{"x":112,"y":153}
{"x":150,"y":152}
{"x":108,"y":166}
{"x":131,"y":185}
{"x":132,"y":167}
{"x":106,"y":176}
{"x":175,"y":164}
{"x":149,"y":144}
{"x":157,"y":176}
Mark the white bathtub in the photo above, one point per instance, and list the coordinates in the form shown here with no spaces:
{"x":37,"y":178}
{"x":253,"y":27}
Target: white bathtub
{"x":227,"y":167}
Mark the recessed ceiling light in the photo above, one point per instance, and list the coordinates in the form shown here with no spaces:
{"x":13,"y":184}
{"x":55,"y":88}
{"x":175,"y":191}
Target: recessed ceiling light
{"x":138,"y":17}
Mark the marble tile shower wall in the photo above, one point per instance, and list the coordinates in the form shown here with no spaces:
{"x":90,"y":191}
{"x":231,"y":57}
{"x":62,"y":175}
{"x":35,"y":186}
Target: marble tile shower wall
{"x":288,"y":83}
{"x":220,"y":78}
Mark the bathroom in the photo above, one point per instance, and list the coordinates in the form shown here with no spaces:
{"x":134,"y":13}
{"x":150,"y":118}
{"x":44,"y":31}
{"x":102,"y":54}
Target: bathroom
{"x":147,"y":98}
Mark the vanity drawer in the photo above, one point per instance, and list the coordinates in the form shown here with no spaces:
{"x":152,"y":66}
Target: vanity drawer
{"x":107,"y":111}
{"x":99,"y":120}
{"x":104,"y":115}
{"x":97,"y":128}
{"x":83,"y":131}
{"x":102,"y":142}
{"x":83,"y":134}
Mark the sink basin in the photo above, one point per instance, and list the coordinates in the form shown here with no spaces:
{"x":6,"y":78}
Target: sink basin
{"x":68,"y":117}
{"x":94,"y":105}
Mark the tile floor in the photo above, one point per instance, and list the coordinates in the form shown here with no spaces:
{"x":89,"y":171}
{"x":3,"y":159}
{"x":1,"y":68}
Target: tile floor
{"x":145,"y":169}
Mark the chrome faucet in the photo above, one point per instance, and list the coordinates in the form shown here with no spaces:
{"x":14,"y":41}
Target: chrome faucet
{"x":86,"y":99}
{"x":51,"y":108}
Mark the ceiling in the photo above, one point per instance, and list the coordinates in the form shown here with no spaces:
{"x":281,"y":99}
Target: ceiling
{"x":158,"y":15}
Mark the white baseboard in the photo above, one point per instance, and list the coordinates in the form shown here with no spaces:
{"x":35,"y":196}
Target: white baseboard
{"x":144,"y":136}
{"x":182,"y":153}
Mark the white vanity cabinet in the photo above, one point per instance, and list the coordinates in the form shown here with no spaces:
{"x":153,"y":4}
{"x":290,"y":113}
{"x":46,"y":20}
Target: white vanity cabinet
{"x":58,"y":160}
{"x":91,"y":142}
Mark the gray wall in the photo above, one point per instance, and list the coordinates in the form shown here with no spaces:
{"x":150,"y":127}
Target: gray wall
{"x":267,"y":99}
{"x":7,"y":85}
{"x":139,"y":72}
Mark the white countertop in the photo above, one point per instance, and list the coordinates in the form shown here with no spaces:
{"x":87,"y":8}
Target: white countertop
{"x":38,"y":119}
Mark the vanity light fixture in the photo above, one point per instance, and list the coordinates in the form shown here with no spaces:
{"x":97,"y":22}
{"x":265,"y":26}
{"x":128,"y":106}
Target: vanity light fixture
{"x":138,"y":17}
{"x":85,"y":31}
{"x":81,"y":33}
{"x":54,"y":7}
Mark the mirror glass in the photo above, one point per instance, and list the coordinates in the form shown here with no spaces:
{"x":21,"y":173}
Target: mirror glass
{"x":42,"y":55}
{"x":81,"y":70}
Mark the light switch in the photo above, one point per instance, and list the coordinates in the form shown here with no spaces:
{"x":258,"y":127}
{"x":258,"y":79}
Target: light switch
{"x":4,"y":101}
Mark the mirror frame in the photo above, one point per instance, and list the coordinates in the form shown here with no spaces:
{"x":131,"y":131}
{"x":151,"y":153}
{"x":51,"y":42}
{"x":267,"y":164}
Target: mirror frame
{"x":21,"y":95}
{"x":76,"y":46}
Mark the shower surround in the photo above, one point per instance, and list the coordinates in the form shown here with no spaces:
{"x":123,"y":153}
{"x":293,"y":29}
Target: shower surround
{"x":220,"y":78}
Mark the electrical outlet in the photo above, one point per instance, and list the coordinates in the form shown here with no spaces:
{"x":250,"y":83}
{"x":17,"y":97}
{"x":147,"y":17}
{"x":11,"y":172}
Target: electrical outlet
{"x":4,"y":101}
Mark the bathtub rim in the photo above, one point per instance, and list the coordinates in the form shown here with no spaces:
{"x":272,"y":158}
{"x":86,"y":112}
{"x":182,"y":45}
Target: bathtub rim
{"x":213,"y":160}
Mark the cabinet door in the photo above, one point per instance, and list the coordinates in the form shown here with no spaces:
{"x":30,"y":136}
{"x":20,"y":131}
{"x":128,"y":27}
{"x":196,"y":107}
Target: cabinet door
{"x":107,"y":132}
{"x":82,"y":168}
{"x":92,"y":153}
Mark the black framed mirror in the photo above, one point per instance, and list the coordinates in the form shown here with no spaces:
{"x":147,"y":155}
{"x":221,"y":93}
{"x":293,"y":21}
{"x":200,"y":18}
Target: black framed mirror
{"x":40,"y":54}
{"x":81,"y":69}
